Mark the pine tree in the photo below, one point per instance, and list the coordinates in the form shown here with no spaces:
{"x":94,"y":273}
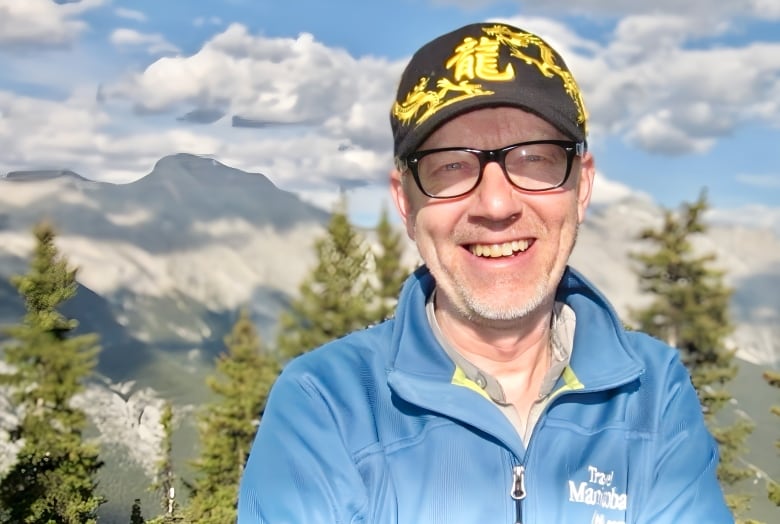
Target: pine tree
{"x":244,"y":377}
{"x":54,"y":478}
{"x":390,"y":272}
{"x":136,"y":517}
{"x":336,"y":297}
{"x":773,"y":487}
{"x":165,"y":476}
{"x":690,"y":311}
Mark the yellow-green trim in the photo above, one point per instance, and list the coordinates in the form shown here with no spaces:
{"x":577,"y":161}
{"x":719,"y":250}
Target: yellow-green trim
{"x":571,"y":382}
{"x":459,"y":378}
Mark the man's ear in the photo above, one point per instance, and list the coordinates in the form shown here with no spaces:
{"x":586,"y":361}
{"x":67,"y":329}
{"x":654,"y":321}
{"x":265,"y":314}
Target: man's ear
{"x":585,"y":184}
{"x":401,"y":200}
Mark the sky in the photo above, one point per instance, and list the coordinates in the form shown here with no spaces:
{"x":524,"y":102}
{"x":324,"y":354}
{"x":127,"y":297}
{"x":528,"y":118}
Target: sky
{"x":682,"y":96}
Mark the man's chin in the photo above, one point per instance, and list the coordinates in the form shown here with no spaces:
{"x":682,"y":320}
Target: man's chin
{"x":492,"y":310}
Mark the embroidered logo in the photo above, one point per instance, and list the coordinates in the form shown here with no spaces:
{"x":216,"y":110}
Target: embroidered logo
{"x":599,"y":492}
{"x":475,"y":60}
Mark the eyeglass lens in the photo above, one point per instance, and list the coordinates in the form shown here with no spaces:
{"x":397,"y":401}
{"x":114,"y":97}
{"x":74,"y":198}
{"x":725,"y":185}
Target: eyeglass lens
{"x":533,"y":167}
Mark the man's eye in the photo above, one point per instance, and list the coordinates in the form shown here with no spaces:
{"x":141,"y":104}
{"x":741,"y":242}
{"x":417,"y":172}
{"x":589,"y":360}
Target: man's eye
{"x":450,"y":168}
{"x":530,"y":159}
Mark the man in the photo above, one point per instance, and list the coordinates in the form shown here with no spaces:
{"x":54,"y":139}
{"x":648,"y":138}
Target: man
{"x":505,"y":390}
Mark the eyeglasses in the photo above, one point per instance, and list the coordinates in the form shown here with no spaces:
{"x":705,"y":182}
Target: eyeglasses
{"x":451,"y":172}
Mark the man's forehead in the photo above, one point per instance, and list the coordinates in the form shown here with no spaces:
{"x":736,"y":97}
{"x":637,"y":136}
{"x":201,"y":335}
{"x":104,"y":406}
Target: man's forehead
{"x":500,"y":122}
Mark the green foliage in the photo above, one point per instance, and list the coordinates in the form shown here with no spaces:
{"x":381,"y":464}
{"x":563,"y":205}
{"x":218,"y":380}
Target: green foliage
{"x":390,"y":272}
{"x":336,"y":297}
{"x":168,"y":518}
{"x":691,"y":303}
{"x":53,"y":479}
{"x":244,"y":375}
{"x":135,"y":513}
{"x":690,"y":311}
{"x":773,"y":487}
{"x":165,"y":477}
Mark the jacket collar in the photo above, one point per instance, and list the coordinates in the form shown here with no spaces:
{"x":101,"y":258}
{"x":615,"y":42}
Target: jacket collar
{"x":601,"y":358}
{"x":421,"y":373}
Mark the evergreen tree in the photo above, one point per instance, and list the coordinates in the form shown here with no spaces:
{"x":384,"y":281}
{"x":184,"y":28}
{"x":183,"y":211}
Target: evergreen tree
{"x":336,"y":297}
{"x":244,"y":377}
{"x":165,"y":476}
{"x":390,"y":272}
{"x":135,"y":513}
{"x":690,"y":311}
{"x":773,"y":378}
{"x":54,"y":478}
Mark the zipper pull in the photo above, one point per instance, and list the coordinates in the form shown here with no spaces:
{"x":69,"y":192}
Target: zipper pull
{"x":518,"y":491}
{"x":518,"y":483}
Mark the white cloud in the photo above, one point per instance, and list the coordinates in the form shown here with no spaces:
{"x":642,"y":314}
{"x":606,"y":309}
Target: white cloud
{"x":35,"y":23}
{"x":765,"y":8}
{"x":658,"y":132}
{"x":269,"y":81}
{"x":642,"y":84}
{"x":648,"y":83}
{"x":154,"y":43}
{"x":304,"y":160}
{"x":30,"y":126}
{"x":76,"y":134}
{"x":668,"y":98}
{"x":750,"y":216}
{"x":560,"y":36}
{"x":606,"y":191}
{"x":130,"y":14}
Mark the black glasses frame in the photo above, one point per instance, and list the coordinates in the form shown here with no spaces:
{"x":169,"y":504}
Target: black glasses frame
{"x":486,"y":156}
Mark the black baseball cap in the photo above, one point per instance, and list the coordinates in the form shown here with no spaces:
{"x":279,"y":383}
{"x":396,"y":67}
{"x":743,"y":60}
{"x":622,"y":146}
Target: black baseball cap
{"x":484,"y":65}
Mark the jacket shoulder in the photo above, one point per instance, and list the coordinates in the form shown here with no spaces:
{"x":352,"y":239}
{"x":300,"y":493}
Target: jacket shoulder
{"x":341,"y":362}
{"x":654,"y":354}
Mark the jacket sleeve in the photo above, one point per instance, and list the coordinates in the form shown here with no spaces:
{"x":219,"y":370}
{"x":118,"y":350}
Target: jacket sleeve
{"x":683,"y":486}
{"x":299,"y":469}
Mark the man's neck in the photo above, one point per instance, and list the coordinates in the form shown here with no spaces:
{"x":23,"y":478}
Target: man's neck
{"x":518,"y":357}
{"x":502,"y":348}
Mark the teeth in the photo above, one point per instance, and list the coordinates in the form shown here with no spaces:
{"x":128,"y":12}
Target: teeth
{"x":499,"y":250}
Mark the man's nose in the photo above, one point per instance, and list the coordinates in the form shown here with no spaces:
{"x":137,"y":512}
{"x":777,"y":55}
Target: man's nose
{"x":496,"y":198}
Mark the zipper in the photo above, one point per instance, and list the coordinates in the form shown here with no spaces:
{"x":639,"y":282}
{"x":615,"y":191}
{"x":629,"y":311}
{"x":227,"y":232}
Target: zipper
{"x":518,"y":491}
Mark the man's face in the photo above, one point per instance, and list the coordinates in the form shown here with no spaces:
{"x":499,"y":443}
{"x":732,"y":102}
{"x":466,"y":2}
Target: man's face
{"x":464,"y":240}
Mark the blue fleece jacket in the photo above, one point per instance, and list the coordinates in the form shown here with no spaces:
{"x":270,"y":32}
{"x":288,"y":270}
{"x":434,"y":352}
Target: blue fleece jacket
{"x":372,"y":429}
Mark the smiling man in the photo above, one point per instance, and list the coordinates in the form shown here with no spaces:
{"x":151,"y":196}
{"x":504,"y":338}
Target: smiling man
{"x":506,"y":389}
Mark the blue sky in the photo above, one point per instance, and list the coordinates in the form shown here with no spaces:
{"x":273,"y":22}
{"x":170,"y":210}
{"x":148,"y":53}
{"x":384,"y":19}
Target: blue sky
{"x":682,"y":95}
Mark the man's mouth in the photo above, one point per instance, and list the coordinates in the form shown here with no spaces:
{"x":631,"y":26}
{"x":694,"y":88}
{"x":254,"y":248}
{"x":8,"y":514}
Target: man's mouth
{"x":505,"y":249}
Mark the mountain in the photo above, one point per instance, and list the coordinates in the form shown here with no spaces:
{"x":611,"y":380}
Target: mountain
{"x":191,"y":234}
{"x":164,"y":265}
{"x":166,"y":262}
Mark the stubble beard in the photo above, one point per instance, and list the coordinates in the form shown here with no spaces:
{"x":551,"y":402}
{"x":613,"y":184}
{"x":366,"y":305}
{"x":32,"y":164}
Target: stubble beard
{"x":477,"y":308}
{"x":484,"y":309}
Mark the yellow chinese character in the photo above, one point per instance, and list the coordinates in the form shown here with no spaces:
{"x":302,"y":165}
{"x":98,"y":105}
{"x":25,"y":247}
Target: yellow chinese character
{"x":463,"y":60}
{"x":479,"y":59}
